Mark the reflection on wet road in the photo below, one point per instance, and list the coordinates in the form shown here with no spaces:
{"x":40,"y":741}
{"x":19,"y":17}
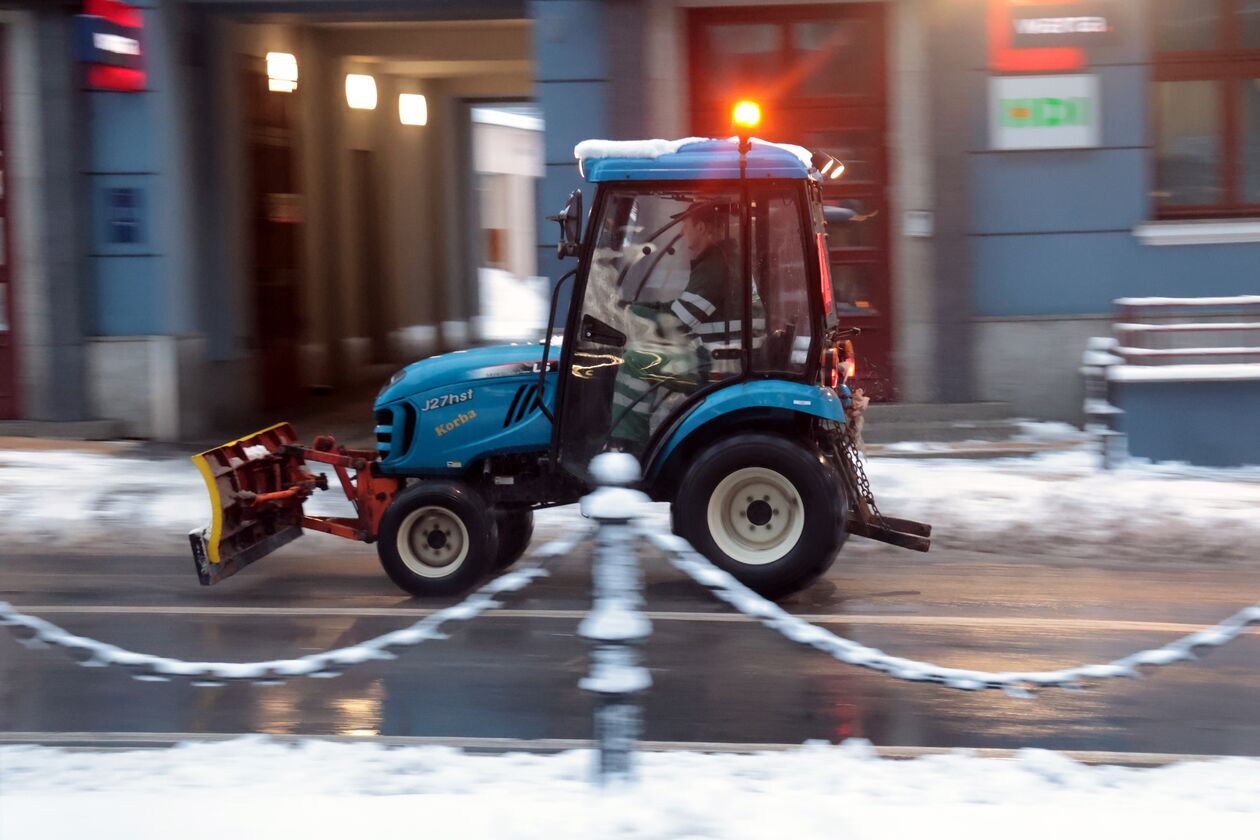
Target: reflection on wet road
{"x":718,"y":678}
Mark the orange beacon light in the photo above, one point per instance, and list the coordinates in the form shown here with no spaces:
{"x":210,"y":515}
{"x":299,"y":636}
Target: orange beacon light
{"x":746,"y":115}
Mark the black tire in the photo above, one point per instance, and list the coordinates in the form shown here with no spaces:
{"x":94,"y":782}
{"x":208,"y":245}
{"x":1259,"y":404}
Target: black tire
{"x":470,"y":533}
{"x":791,"y":492}
{"x":516,"y":528}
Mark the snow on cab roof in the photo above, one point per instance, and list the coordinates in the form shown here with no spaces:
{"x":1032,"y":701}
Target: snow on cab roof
{"x":688,"y":158}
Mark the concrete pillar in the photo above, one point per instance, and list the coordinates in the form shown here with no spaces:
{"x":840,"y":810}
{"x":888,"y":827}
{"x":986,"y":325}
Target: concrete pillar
{"x":910,"y":145}
{"x":46,"y":156}
{"x":958,"y":32}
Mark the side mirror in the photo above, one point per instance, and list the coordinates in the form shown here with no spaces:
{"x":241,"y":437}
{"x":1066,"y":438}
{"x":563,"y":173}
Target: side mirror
{"x":837,"y":214}
{"x":570,"y":219}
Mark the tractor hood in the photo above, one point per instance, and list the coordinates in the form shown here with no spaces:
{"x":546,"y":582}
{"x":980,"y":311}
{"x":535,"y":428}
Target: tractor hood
{"x":451,"y":369}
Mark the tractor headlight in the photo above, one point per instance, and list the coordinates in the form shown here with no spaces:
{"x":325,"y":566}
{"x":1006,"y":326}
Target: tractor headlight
{"x":393,"y":380}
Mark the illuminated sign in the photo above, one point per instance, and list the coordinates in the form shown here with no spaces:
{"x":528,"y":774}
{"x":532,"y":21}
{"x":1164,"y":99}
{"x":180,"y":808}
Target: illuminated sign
{"x":1005,"y":57}
{"x":1044,"y":112}
{"x":1080,"y":24}
{"x":110,"y":45}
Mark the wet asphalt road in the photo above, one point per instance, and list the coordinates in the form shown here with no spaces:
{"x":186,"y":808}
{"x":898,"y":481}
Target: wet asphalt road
{"x":717,"y":677}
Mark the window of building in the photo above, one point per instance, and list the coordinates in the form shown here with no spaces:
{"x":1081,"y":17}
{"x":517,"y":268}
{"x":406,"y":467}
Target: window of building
{"x":1206,"y":107}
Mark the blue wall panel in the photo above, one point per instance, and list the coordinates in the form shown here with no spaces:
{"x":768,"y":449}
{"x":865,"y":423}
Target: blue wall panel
{"x":1071,"y":274}
{"x":569,"y":40}
{"x":1033,"y":192}
{"x":1211,"y":424}
{"x":122,"y":132}
{"x":129,"y":296}
{"x":571,"y":68}
{"x":575,"y":111}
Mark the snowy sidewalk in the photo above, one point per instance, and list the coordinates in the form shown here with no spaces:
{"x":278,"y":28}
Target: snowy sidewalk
{"x":320,"y":790}
{"x":1057,"y":505}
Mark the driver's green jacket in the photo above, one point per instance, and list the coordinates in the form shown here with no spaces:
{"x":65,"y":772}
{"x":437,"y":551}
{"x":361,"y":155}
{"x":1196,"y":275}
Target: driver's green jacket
{"x":709,"y":312}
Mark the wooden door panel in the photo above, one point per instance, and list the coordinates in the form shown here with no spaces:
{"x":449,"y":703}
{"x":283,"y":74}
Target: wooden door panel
{"x":820,"y":74}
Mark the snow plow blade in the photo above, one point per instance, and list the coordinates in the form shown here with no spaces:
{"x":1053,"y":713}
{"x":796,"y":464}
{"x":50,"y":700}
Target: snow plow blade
{"x":257,"y":485}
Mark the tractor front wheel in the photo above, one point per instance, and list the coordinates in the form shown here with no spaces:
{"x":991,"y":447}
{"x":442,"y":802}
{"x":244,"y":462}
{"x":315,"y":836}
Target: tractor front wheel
{"x":764,"y":508}
{"x":437,"y":538}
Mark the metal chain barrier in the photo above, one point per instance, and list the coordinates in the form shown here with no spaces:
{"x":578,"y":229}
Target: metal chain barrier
{"x":1015,"y":683}
{"x":91,"y":653}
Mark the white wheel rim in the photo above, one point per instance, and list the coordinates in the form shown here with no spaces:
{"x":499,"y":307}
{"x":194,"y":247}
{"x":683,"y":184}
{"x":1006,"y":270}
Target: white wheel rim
{"x":433,"y":542}
{"x":755,"y":516}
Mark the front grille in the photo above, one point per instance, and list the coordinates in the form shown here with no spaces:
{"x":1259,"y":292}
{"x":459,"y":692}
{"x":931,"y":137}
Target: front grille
{"x":384,"y":431}
{"x":392,"y":441}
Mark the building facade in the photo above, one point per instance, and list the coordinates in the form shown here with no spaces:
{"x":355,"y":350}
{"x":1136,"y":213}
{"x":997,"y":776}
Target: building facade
{"x":215,"y":242}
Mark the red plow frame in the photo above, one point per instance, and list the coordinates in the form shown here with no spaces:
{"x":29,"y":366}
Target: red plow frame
{"x":258,"y":485}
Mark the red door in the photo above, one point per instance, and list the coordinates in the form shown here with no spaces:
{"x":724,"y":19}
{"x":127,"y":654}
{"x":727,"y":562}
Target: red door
{"x":8,"y":314}
{"x":819,"y":72}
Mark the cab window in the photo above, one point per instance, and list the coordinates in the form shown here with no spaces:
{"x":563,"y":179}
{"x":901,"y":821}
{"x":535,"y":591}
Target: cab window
{"x":782,"y":324}
{"x":661,"y":316}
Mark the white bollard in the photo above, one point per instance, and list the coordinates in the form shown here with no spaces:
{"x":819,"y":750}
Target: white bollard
{"x":616,"y":624}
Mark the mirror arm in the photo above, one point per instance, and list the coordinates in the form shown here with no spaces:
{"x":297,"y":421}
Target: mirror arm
{"x":551,"y":324}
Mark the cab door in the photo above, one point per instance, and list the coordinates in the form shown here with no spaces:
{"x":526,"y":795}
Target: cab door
{"x":657,"y":319}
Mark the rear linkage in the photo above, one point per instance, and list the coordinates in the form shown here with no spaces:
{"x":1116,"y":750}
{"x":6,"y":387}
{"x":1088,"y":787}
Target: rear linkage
{"x":865,"y":520}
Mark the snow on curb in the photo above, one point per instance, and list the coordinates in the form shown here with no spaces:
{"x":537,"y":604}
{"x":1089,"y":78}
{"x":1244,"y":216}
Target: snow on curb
{"x":1060,"y":503}
{"x":1057,"y":504}
{"x":316,"y":789}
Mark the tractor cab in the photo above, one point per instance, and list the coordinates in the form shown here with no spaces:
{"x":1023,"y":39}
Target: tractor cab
{"x":701,"y":267}
{"x":700,"y":337}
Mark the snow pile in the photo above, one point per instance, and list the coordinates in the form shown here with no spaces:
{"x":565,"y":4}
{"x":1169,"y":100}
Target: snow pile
{"x":1057,"y":504}
{"x":319,"y":790}
{"x":1061,"y":504}
{"x":65,"y":499}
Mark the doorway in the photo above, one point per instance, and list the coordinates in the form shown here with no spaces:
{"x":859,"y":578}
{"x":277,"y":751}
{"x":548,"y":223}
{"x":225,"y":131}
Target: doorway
{"x":507,"y":164}
{"x":370,"y":248}
{"x":275,"y":226}
{"x":820,"y":73}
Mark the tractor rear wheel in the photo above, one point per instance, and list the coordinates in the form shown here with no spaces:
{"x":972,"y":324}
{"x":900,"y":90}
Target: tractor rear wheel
{"x":437,"y":538}
{"x":516,"y":528}
{"x":764,"y":508}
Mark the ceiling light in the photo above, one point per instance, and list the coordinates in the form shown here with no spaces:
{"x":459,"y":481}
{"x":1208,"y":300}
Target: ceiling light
{"x":413,"y":109}
{"x":360,"y":91}
{"x":282,"y":72}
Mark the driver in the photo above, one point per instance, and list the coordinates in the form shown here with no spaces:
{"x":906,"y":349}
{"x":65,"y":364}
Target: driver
{"x":707,"y":311}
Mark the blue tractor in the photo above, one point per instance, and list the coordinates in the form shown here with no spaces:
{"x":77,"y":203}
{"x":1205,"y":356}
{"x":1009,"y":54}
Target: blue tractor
{"x":700,"y":337}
